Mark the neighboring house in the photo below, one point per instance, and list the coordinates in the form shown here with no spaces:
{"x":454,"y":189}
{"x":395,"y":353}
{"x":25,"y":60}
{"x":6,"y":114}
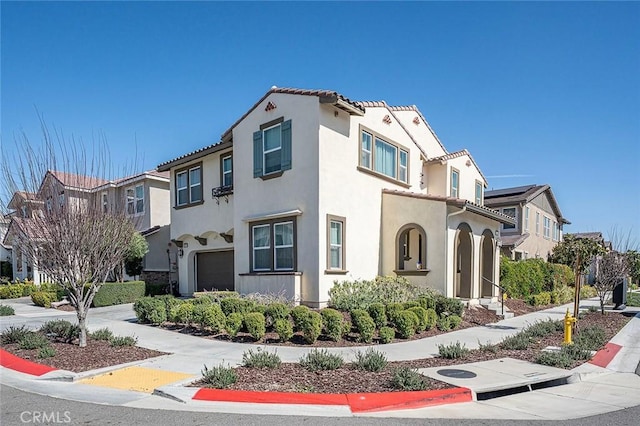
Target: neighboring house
{"x":539,"y":221}
{"x":5,"y":249}
{"x":309,"y":187}
{"x":144,"y":198}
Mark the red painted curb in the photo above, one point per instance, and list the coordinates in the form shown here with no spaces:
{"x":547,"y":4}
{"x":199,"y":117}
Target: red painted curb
{"x":368,"y":402}
{"x":603,"y":357}
{"x":357,"y":402}
{"x":13,"y":362}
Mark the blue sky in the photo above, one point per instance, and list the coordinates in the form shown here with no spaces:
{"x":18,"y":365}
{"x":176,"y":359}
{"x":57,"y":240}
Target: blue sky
{"x":540,"y":92}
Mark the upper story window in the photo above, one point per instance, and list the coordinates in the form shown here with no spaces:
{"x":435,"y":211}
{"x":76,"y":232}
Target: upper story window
{"x":272,"y":148}
{"x":49,"y":204}
{"x":273,"y":245}
{"x":189,"y":186}
{"x":511,"y":212}
{"x":479,"y":192}
{"x":455,"y":183}
{"x":547,"y":227}
{"x":61,"y":199}
{"x":383,"y":157}
{"x":227,"y":170}
{"x":105,"y":202}
{"x":526,"y":219}
{"x":135,"y":199}
{"x":555,"y":231}
{"x":537,"y":223}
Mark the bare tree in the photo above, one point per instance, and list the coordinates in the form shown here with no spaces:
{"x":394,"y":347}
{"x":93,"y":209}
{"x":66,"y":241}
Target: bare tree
{"x":71,"y":238}
{"x":610,"y":269}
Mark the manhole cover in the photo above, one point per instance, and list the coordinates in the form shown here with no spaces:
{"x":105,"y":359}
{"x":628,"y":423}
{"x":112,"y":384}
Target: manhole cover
{"x":457,"y":373}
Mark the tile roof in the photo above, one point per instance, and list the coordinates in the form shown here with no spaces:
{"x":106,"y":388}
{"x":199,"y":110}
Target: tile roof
{"x":590,"y":235}
{"x":218,"y":146}
{"x":73,"y":180}
{"x":513,"y":240}
{"x":522,"y":194}
{"x":458,"y":154}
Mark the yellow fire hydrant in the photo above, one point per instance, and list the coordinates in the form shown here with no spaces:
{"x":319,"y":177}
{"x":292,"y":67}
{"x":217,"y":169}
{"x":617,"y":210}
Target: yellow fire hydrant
{"x":568,"y":325}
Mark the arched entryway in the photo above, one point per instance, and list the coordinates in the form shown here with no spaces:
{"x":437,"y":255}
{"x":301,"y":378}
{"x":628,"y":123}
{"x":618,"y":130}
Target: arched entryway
{"x":464,"y":261}
{"x":411,"y":248}
{"x":487,"y":263}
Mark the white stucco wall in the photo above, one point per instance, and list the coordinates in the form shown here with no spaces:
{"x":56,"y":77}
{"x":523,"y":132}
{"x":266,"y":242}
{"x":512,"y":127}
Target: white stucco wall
{"x":159,"y":202}
{"x":420,"y":133}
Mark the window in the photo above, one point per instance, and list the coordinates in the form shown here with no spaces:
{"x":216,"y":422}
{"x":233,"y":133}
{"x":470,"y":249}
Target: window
{"x":511,"y":212}
{"x":227,"y":171}
{"x":105,"y":202}
{"x":61,"y":199}
{"x":411,"y":249}
{"x":273,"y":246}
{"x":383,"y":157}
{"x":49,"y":204}
{"x":335,"y":243}
{"x":479,"y":188}
{"x":555,"y":231}
{"x":272,"y":148}
{"x":455,"y":183}
{"x":547,"y":227}
{"x":189,"y":186}
{"x":135,"y":200}
{"x":537,"y":223}
{"x":526,"y":219}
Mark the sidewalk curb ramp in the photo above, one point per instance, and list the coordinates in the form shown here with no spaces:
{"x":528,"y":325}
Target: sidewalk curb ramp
{"x":21,"y":365}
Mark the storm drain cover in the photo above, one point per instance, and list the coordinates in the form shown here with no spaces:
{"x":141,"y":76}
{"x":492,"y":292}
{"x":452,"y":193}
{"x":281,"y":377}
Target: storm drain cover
{"x":457,"y":373}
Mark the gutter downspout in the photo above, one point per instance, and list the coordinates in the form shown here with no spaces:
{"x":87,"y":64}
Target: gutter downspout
{"x":446,"y":245}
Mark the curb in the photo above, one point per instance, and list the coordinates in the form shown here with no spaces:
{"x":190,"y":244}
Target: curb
{"x":357,"y":402}
{"x":13,"y":362}
{"x":604,"y":356}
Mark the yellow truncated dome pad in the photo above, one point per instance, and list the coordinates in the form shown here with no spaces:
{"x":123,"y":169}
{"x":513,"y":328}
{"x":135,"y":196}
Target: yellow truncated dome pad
{"x":135,"y":379}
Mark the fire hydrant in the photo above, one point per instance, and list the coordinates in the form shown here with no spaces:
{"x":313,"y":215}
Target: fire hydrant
{"x":568,"y":325}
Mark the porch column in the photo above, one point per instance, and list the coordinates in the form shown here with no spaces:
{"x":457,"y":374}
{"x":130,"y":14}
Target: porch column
{"x":35,"y":270}
{"x":496,"y":268}
{"x":476,"y":249}
{"x":14,"y":261}
{"x":25,"y":269}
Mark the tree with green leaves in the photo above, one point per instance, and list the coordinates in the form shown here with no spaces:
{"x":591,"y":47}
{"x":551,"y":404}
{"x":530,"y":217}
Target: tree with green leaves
{"x":571,"y":247}
{"x":634,"y":266}
{"x":135,"y":254}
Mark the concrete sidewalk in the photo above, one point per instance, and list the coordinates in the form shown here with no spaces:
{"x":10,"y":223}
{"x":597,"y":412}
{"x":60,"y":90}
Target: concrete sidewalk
{"x":591,"y":389}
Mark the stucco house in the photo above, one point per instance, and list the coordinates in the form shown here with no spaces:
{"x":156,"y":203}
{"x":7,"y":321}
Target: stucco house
{"x":5,"y":249}
{"x":144,"y":197}
{"x":308,"y":187}
{"x":539,"y":221}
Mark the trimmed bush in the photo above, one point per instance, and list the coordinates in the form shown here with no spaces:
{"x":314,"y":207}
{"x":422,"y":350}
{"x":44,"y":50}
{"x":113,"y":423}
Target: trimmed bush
{"x":182,"y":314}
{"x":408,"y":379}
{"x":102,"y":334}
{"x":275,"y":312}
{"x":360,"y":294}
{"x":519,"y":342}
{"x":443,"y":323}
{"x":150,"y":310}
{"x":378,"y":313}
{"x":453,"y":351}
{"x":454,"y":322}
{"x":432,"y":318}
{"x":392,"y":310}
{"x":219,"y":377}
{"x":297,"y":314}
{"x":111,"y":294}
{"x":212,"y":317}
{"x":170,"y":302}
{"x":406,"y":324}
{"x":284,"y":329}
{"x":333,"y":323}
{"x":28,"y":289}
{"x":411,"y":304}
{"x":61,"y":330}
{"x":423,"y":317}
{"x":43,"y":298}
{"x":232,"y":305}
{"x":561,"y":295}
{"x":260,"y":359}
{"x":364,"y":325}
{"x":317,"y":360}
{"x":11,"y":291}
{"x":371,"y":360}
{"x":427,"y":301}
{"x":311,"y":326}
{"x":199,"y":301}
{"x":217,"y":296}
{"x":448,"y":306}
{"x":6,"y":311}
{"x":120,"y":341}
{"x":386,"y":334}
{"x":234,"y":323}
{"x":587,"y":292}
{"x":254,"y":323}
{"x":540,"y":299}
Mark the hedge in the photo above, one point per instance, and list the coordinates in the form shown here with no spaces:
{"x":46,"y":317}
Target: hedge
{"x":118,"y":293}
{"x":533,"y":276}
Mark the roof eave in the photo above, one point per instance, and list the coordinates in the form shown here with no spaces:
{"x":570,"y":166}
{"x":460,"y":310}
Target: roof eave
{"x":194,"y":156}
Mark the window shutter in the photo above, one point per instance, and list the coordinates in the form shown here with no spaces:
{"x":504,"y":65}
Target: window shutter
{"x":257,"y":154}
{"x":286,"y":145}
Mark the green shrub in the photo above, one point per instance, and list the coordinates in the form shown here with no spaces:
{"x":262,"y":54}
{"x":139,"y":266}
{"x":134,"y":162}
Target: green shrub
{"x":540,"y":299}
{"x":392,"y":310}
{"x":317,"y":360}
{"x":487,"y":347}
{"x":408,"y":379}
{"x":150,"y":310}
{"x":364,"y":324}
{"x":576,"y":352}
{"x":111,"y":294}
{"x":453,"y":351}
{"x":406,"y":324}
{"x":59,"y":291}
{"x":378,"y":313}
{"x":333,"y":323}
{"x":275,"y":312}
{"x":411,"y":304}
{"x":519,"y":342}
{"x":522,"y":278}
{"x":254,"y":323}
{"x":454,"y":321}
{"x":587,"y":292}
{"x":432,"y":318}
{"x":14,"y":334}
{"x":155,"y":289}
{"x":43,"y":298}
{"x":371,"y":360}
{"x":311,"y":326}
{"x":234,"y":323}
{"x":633,"y":299}
{"x":200,"y":301}
{"x":33,"y":340}
{"x":386,"y":334}
{"x":543,"y":328}
{"x":4,"y":291}
{"x":6,"y":311}
{"x":443,"y":323}
{"x":557,"y":359}
{"x":217,"y":296}
{"x":183,"y":313}
{"x":28,"y":289}
{"x":562,"y":295}
{"x":591,"y":338}
{"x":427,"y":301}
{"x":212,"y":317}
{"x":448,"y":306}
{"x":120,"y":341}
{"x":284,"y":329}
{"x":219,"y":377}
{"x":102,"y":334}
{"x":46,"y":352}
{"x":360,"y":294}
{"x":423,"y":318}
{"x":298,"y":313}
{"x":11,"y":291}
{"x":170,"y":302}
{"x":61,"y":330}
{"x":259,"y":308}
{"x":260,"y":359}
{"x":231,"y":305}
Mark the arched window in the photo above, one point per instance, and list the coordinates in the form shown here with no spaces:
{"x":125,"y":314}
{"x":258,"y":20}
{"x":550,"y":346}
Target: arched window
{"x":411,"y":248}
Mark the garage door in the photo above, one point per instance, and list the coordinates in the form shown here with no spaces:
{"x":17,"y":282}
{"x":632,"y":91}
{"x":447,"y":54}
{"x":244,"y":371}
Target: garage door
{"x":215,"y":271}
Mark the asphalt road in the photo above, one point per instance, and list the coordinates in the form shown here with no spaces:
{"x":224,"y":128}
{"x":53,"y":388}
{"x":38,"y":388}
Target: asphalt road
{"x":23,"y":408}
